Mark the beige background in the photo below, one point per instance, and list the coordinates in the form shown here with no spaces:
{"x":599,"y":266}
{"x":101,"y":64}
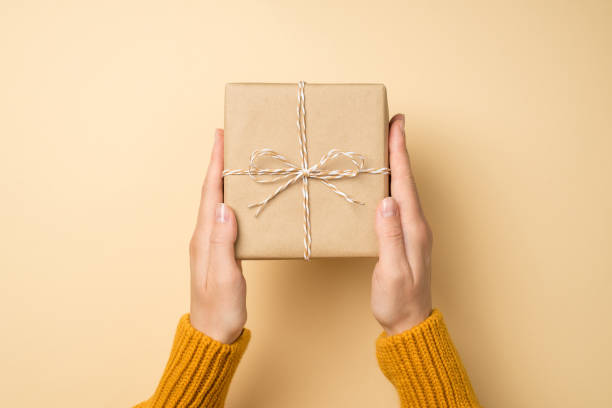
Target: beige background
{"x":107,"y":116}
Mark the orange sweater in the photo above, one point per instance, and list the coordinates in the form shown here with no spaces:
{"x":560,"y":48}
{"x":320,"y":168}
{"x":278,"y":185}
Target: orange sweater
{"x":421,"y":363}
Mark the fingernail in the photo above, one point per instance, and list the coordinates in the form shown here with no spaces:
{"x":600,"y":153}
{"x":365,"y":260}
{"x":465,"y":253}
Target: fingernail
{"x":402,"y":121}
{"x":217,"y":135}
{"x":389,"y":208}
{"x":221,"y":213}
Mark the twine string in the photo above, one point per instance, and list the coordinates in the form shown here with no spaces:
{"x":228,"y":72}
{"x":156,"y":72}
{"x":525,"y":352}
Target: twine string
{"x":292,"y":173}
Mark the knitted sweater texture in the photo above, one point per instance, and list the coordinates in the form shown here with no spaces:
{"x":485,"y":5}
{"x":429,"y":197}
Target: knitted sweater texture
{"x":422,"y":363}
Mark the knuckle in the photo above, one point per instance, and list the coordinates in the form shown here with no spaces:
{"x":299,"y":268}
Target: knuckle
{"x":195,"y":245}
{"x":393,"y":232}
{"x":218,"y":238}
{"x":422,"y":232}
{"x":228,"y":279}
{"x":391,"y":275}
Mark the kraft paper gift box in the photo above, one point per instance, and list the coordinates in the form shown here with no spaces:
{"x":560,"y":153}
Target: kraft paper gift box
{"x":351,"y":118}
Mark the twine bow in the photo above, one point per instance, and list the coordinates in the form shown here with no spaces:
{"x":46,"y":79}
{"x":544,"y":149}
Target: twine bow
{"x":292,"y":173}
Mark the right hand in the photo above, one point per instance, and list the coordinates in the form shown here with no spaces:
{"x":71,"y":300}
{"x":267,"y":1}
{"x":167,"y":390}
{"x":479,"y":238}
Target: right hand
{"x":401,"y":282}
{"x":218,"y":288}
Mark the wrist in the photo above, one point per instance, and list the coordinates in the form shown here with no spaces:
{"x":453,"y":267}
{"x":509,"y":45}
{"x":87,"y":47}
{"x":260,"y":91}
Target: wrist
{"x":408,"y":322}
{"x":219,"y":330}
{"x":222,"y":336}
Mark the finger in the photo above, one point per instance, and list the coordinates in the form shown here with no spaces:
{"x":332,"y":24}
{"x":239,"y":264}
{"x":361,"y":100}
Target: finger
{"x":212,"y":190}
{"x":419,"y":239}
{"x":391,"y":250}
{"x":222,"y":238}
{"x":403,"y":187}
{"x":199,"y":245}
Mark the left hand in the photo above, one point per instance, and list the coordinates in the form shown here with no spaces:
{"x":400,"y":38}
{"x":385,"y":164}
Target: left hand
{"x":218,"y":288}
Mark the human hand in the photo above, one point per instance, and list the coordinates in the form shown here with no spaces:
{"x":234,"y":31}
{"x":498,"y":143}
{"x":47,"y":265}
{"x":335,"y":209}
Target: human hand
{"x":401,"y":282}
{"x":218,"y":288}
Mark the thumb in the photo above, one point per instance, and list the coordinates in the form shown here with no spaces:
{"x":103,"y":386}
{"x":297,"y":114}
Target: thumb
{"x":390,"y":234}
{"x":222,"y":238}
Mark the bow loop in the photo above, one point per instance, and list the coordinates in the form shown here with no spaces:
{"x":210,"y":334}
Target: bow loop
{"x":322,"y":173}
{"x":260,"y":174}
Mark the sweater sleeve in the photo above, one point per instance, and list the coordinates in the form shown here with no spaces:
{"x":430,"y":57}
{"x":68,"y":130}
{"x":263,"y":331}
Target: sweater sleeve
{"x":199,"y":370}
{"x":424,"y":366}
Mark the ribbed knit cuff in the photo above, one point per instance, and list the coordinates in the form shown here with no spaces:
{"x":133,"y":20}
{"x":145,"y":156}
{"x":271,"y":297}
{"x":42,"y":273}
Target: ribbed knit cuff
{"x":424,"y":366}
{"x":199,"y":370}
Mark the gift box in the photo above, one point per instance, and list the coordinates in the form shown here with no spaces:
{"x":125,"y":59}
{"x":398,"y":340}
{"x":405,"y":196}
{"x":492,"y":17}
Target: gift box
{"x":305,"y":168}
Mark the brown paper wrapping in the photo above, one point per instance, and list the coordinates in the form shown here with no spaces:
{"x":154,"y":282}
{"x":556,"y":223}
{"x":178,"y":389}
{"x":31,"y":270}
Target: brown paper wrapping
{"x":348,"y":117}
